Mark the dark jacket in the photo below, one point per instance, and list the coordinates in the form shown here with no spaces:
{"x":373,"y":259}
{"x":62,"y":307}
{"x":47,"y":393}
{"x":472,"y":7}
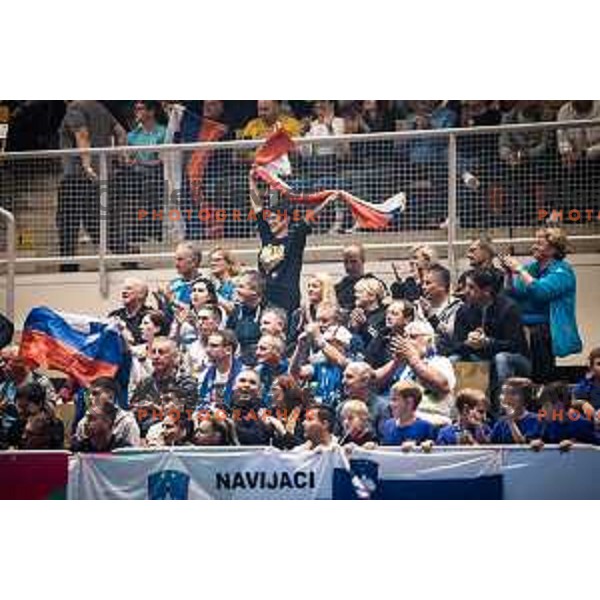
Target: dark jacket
{"x":151,"y":388}
{"x":250,"y":429}
{"x":374,"y":323}
{"x":133,"y":322}
{"x":501,"y":322}
{"x":245,"y":323}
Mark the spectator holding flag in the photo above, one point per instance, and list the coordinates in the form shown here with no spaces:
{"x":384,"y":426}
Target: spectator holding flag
{"x":282,"y":249}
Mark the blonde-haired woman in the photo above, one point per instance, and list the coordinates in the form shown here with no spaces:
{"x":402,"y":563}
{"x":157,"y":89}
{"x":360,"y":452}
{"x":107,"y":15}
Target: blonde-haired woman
{"x":545,"y":290}
{"x":223,"y":269}
{"x":368,"y":315}
{"x":319,"y":290}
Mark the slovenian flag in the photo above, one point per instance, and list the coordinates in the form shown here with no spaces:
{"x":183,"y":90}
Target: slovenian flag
{"x":390,"y":474}
{"x":271,"y":163}
{"x":78,"y":345}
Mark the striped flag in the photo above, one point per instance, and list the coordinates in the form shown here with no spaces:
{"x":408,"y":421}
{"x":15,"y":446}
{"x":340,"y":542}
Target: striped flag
{"x":271,"y":163}
{"x":78,"y":345}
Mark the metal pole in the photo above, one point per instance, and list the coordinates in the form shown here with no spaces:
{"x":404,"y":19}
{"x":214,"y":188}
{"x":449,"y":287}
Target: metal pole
{"x":103,"y":275}
{"x":452,"y":221}
{"x":11,"y":254}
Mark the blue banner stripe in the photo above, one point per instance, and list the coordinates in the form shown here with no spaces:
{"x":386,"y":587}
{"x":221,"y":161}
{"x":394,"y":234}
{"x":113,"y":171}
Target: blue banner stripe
{"x":486,"y":487}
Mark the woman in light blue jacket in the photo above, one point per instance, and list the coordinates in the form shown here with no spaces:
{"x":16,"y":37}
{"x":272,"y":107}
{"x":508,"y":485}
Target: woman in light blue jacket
{"x":545,"y":290}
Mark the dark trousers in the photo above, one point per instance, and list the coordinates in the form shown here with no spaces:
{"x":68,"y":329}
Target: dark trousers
{"x":78,"y":203}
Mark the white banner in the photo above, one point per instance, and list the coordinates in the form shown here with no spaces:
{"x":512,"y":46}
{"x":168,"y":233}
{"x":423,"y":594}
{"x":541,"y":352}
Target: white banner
{"x":181,"y":474}
{"x":267,"y":473}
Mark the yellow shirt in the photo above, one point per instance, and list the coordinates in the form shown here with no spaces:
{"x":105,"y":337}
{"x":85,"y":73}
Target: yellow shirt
{"x":257,"y":128}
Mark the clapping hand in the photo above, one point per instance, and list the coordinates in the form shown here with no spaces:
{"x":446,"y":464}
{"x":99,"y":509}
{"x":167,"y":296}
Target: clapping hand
{"x":357,"y":318}
{"x":313,"y":330}
{"x":476,"y":339}
{"x":403,"y":348}
{"x":509,"y":263}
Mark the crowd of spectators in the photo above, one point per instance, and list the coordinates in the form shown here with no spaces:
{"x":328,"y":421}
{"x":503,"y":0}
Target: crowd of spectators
{"x":233,"y":355}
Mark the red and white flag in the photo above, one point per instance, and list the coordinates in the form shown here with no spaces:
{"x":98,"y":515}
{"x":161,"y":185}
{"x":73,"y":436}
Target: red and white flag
{"x":271,"y":163}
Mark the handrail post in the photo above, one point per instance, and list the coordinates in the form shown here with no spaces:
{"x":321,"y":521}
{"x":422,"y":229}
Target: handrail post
{"x":102,"y":273}
{"x":452,"y":167}
{"x":11,"y":252}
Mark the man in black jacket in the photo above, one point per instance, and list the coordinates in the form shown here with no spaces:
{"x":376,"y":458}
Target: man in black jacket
{"x":251,"y":426}
{"x":488,"y":327}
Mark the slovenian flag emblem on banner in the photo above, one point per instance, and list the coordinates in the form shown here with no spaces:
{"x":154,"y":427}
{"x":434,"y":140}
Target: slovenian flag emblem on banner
{"x":271,"y":163}
{"x":78,"y":345}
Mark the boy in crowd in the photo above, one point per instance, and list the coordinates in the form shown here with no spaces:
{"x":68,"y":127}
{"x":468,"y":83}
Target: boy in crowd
{"x":98,"y":434}
{"x":405,"y":428}
{"x":588,"y":388}
{"x":559,"y":422}
{"x":518,"y":426}
{"x":471,"y":428}
{"x":356,"y":424}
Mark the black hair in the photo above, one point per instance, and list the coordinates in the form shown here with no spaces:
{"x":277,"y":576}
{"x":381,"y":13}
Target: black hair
{"x":324,"y":414}
{"x":556,"y":392}
{"x":152,"y":105}
{"x":443,"y":273}
{"x":210,"y":286}
{"x":33,"y":392}
{"x":228,"y":338}
{"x":485,"y":278}
{"x":159,"y":320}
{"x":107,"y":385}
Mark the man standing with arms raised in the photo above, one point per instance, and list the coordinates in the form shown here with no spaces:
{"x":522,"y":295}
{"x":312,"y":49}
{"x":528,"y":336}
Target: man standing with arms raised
{"x":282,"y":251}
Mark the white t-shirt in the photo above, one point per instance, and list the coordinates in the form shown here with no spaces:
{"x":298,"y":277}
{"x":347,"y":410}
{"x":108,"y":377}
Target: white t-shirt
{"x":318,"y":129}
{"x":435,"y":407}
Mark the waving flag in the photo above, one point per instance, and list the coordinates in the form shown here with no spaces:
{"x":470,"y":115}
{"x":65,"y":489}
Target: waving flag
{"x":80,"y":346}
{"x":271,"y":163}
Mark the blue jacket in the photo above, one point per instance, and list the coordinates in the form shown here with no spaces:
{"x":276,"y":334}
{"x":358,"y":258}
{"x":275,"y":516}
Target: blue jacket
{"x":555,"y":287}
